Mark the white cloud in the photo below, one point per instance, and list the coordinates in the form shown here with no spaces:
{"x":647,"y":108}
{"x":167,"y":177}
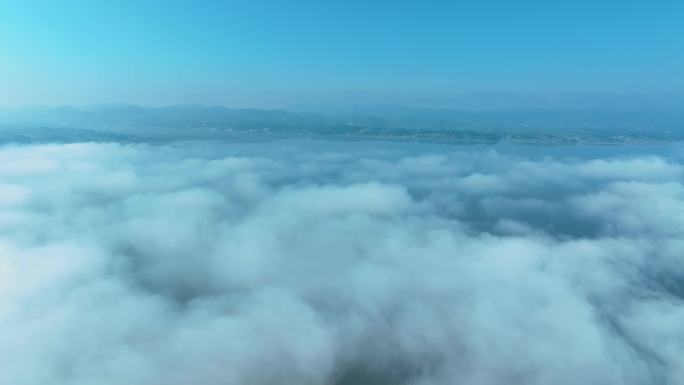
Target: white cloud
{"x":261,"y":264}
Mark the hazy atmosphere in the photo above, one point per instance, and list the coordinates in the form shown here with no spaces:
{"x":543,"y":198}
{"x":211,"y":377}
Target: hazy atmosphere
{"x":341,"y":192}
{"x":280,"y":54}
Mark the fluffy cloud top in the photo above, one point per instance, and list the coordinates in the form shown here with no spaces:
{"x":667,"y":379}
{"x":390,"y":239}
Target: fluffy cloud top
{"x":297,"y":263}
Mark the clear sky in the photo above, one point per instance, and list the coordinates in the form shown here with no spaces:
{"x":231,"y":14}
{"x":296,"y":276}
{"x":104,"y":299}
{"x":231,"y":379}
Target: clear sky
{"x":267,"y":53}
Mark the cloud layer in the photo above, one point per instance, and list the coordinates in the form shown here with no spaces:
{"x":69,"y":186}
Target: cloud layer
{"x":313,"y":263}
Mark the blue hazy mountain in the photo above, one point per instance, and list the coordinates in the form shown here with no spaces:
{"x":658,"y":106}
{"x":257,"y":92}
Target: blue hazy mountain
{"x":546,"y":125}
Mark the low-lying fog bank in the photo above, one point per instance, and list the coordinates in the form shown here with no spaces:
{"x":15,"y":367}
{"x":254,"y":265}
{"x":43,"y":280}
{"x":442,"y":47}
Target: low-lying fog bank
{"x":307,"y":262}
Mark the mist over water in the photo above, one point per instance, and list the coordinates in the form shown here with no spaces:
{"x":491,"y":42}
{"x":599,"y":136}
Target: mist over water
{"x":324,"y":262}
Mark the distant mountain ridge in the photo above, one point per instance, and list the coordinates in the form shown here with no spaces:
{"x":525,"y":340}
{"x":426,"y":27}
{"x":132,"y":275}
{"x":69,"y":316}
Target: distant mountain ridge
{"x":383,"y":121}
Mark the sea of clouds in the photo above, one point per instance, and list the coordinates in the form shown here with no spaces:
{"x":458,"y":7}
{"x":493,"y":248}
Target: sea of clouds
{"x":305,"y":262}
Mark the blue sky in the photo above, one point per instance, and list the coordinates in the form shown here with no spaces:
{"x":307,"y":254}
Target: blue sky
{"x":264,"y":53}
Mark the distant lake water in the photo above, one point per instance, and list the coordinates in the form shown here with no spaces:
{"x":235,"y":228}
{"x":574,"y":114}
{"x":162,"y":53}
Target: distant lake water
{"x":263,"y":145}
